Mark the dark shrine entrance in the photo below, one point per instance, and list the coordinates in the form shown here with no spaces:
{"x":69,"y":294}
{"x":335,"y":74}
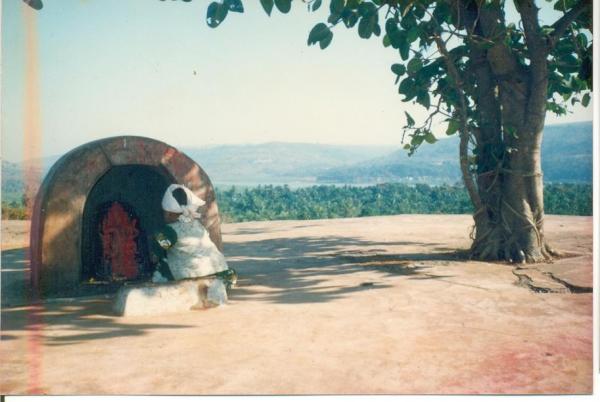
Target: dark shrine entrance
{"x":122,"y":210}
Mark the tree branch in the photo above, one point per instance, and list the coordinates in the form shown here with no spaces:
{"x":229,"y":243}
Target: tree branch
{"x":533,"y":35}
{"x":464,"y":128}
{"x":561,"y":25}
{"x":538,"y":69}
{"x":502,"y":59}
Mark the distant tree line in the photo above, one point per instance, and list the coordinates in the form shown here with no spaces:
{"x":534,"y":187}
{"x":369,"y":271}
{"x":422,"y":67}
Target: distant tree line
{"x":327,"y":202}
{"x":14,"y":210}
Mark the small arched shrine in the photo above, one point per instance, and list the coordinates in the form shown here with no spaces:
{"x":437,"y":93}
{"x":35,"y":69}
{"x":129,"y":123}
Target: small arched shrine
{"x":98,"y":204}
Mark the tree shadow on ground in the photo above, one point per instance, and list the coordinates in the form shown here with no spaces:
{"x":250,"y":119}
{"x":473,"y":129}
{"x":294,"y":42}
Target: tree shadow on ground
{"x":269,"y":228}
{"x":78,"y":321}
{"x":15,"y":277}
{"x":294,"y":270}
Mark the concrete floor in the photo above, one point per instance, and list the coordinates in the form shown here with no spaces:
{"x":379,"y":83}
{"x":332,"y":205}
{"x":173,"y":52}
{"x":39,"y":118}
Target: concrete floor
{"x":369,"y":305}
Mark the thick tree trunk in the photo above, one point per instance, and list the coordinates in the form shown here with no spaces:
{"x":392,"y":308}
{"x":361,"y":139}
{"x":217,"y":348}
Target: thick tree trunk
{"x":512,"y":225}
{"x":509,"y":110}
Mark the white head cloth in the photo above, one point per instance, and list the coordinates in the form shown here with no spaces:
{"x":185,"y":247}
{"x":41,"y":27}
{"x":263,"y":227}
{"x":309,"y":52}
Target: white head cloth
{"x":170,"y":204}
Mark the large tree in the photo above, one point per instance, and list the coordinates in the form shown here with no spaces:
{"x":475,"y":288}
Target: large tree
{"x":491,"y":80}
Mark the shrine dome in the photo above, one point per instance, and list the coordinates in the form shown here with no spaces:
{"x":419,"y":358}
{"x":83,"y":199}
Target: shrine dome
{"x":100,"y":191}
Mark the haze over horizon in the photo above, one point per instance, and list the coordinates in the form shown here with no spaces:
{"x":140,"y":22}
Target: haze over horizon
{"x":155,"y":69}
{"x":186,"y":147}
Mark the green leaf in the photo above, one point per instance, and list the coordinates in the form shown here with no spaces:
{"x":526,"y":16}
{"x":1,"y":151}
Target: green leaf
{"x":398,"y":69}
{"x":556,"y":108}
{"x":564,"y":5}
{"x":424,"y":99}
{"x":585,"y":100}
{"x":416,"y":140}
{"x":210,"y":12}
{"x":430,"y":138}
{"x":323,"y":43}
{"x":283,"y":5}
{"x":365,"y":29}
{"x":408,"y":21}
{"x":412,"y":34}
{"x":586,"y":71}
{"x":577,"y":85}
{"x":386,"y":41}
{"x":414,"y":65}
{"x":404,"y":48}
{"x":215,"y":14}
{"x":395,"y":38}
{"x":429,"y":71}
{"x":318,"y":33}
{"x":36,"y":4}
{"x":453,"y":126}
{"x":442,"y":12}
{"x":410,"y":122}
{"x":333,"y":18}
{"x":419,"y":12}
{"x":391,"y":26}
{"x":221,"y":12}
{"x":377,"y":29}
{"x":582,"y":40}
{"x":336,"y":6}
{"x":351,"y":19}
{"x":408,"y":88}
{"x":234,"y":6}
{"x":366,"y":9}
{"x":316,"y":4}
{"x":267,"y":5}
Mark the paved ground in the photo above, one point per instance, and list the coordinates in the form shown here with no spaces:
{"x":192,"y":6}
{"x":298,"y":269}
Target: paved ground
{"x":370,"y":305}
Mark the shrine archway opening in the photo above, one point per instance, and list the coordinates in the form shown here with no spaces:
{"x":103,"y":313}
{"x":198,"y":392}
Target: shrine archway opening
{"x":121,"y":211}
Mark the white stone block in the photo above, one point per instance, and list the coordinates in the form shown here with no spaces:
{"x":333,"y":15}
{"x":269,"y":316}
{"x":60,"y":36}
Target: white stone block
{"x":164,"y":298}
{"x":216,"y":294}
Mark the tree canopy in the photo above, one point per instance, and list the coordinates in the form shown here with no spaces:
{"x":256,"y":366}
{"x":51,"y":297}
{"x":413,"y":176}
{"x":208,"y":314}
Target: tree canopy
{"x":438,"y":43}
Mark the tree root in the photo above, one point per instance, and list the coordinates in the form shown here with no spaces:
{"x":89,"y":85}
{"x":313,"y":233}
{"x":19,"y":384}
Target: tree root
{"x":552,"y":253}
{"x":499,"y":247}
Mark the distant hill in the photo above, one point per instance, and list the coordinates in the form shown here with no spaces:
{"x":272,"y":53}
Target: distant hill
{"x":278,"y":162}
{"x":566,"y":157}
{"x":567,"y":153}
{"x":12,"y":181}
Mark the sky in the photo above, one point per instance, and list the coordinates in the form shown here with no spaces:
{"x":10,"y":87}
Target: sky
{"x":154,"y":68}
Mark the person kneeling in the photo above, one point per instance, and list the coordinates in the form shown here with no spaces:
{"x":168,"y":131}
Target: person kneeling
{"x":183,"y":249}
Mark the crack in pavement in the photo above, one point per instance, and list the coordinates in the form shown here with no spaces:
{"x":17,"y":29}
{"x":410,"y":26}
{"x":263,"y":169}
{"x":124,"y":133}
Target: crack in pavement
{"x":572,"y":288}
{"x":545,"y":282}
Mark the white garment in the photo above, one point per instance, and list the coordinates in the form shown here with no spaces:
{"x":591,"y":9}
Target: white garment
{"x":169,"y":203}
{"x":194,"y":254}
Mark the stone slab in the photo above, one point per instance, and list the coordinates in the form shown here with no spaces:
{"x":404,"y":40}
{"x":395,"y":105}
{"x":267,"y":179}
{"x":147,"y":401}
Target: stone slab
{"x":166,"y":298}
